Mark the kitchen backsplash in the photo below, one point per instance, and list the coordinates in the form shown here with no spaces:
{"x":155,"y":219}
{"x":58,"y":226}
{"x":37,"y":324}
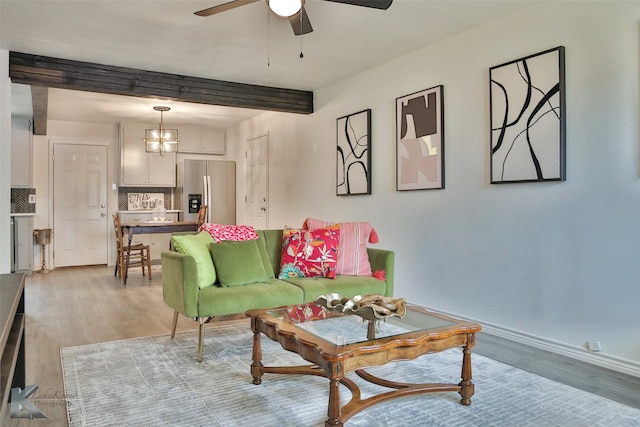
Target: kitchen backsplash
{"x":123,"y":196}
{"x":20,"y":200}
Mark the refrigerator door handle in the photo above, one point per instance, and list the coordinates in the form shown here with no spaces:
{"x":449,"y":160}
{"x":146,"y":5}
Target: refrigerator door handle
{"x":205,"y":190}
{"x":209,"y":196}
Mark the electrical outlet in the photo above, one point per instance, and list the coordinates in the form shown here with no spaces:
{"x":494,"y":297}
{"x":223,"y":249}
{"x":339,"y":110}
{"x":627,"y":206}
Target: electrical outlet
{"x":594,"y":346}
{"x":32,"y":198}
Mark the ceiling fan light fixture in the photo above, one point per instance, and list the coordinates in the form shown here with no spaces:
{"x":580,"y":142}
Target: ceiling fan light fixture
{"x":285,"y":8}
{"x":161,"y":140}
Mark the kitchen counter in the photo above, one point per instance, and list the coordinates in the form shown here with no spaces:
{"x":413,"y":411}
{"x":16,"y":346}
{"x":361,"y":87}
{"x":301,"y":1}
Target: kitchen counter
{"x":149,"y":211}
{"x":25,"y":214}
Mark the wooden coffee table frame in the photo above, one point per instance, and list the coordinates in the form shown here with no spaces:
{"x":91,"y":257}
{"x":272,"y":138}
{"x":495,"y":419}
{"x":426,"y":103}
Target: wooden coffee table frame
{"x":334,"y":361}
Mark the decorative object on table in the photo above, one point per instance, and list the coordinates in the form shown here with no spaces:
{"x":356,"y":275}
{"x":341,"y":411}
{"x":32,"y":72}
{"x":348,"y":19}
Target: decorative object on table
{"x":353,"y":168}
{"x":420,"y":140}
{"x":159,"y":213}
{"x":528,"y":122}
{"x":305,"y":312}
{"x":161,"y":140}
{"x":145,"y":201}
{"x":369,"y":307}
{"x":43,"y":238}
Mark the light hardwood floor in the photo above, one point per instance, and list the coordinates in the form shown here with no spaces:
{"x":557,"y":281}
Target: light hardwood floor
{"x":84,"y":305}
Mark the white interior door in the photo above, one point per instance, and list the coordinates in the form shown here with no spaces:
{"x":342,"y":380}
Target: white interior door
{"x":257,"y":182}
{"x":79,"y":205}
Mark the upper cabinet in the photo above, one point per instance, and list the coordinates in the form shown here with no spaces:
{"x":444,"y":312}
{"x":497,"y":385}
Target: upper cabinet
{"x":21,"y":152}
{"x":202,"y":141}
{"x":139,"y":168}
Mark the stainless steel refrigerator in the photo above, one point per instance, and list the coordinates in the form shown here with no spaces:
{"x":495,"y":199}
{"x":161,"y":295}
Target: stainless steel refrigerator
{"x":206,"y":182}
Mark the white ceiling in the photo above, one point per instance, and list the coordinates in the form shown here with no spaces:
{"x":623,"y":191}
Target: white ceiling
{"x":246,"y":45}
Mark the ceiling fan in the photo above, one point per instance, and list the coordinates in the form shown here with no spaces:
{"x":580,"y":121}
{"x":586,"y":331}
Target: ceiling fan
{"x":293,"y":9}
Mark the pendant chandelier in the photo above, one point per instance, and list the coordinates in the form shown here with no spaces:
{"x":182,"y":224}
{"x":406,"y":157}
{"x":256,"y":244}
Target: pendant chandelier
{"x":161,"y":140}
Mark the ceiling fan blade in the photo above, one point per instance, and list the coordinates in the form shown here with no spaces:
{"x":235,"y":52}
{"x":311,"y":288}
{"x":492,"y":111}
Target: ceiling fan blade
{"x":375,"y":4}
{"x":223,"y":7}
{"x":295,"y":23}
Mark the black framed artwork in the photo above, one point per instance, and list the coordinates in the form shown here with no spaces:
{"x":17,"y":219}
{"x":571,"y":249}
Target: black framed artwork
{"x":527,"y":101}
{"x":353,"y":173}
{"x":420,"y":140}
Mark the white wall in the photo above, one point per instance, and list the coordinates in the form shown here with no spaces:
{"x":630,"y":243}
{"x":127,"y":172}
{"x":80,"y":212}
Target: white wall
{"x":552,"y":263}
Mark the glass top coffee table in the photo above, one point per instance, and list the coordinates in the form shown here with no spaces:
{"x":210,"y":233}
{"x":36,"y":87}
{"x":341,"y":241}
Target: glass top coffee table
{"x":336,"y":343}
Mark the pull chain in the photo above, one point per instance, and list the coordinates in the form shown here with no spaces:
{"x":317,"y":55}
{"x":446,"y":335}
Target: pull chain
{"x":301,"y":32}
{"x":268,"y":38}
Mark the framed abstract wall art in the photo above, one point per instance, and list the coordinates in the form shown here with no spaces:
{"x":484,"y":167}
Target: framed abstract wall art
{"x":353,"y":173}
{"x":527,"y":100}
{"x":420,"y":140}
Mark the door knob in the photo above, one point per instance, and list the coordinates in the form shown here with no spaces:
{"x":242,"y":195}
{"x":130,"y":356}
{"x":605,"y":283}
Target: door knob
{"x":102,"y":214}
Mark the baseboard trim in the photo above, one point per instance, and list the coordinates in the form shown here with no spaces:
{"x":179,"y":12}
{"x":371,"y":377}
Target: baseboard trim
{"x":603,"y":360}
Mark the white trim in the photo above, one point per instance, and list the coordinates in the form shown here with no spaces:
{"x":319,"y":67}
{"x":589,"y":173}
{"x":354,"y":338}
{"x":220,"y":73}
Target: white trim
{"x":604,"y":360}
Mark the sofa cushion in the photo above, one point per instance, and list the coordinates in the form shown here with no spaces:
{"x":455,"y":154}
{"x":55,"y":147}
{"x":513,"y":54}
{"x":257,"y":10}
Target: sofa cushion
{"x":238,"y":299}
{"x":264,"y":255}
{"x":238,"y":262}
{"x":197,"y":245}
{"x":309,"y":253}
{"x":347,"y":286}
{"x":352,"y":254}
{"x":273,"y":244}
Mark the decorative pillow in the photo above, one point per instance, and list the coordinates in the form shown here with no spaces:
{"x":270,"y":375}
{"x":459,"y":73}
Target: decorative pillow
{"x":309,"y":253}
{"x":221,"y":232}
{"x":238,"y":262}
{"x":197,"y":245}
{"x":353,"y":259}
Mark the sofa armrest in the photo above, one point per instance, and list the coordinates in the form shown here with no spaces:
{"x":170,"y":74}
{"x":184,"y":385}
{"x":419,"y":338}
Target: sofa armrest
{"x":381,"y":259}
{"x":179,"y":283}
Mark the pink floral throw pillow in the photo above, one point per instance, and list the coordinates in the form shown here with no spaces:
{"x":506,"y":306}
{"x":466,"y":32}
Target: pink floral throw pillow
{"x":221,"y":232}
{"x":353,"y":259}
{"x":309,"y":253}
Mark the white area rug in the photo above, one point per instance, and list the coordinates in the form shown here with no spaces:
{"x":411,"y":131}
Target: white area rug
{"x":156,"y":381}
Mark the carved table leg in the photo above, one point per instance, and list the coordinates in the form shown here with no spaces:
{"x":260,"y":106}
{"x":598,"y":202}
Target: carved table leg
{"x":257,"y":368}
{"x":334,"y":403}
{"x":466,"y":386}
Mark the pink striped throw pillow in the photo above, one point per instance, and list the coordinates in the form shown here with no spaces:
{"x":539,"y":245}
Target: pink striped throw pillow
{"x":353,"y":259}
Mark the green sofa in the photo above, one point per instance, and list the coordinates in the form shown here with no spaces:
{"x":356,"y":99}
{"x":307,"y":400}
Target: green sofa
{"x":182,"y":293}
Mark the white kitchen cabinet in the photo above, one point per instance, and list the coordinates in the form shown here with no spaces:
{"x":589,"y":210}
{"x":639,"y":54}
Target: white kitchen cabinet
{"x":158,"y":242}
{"x":139,"y":168}
{"x":202,"y":141}
{"x":21,"y":152}
{"x":23,"y":243}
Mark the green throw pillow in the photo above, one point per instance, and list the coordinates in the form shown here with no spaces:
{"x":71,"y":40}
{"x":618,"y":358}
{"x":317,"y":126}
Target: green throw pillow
{"x":238,"y":262}
{"x":197,"y":245}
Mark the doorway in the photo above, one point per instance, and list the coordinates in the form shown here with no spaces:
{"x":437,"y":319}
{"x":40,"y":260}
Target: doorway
{"x":257,"y":182}
{"x":79,"y":205}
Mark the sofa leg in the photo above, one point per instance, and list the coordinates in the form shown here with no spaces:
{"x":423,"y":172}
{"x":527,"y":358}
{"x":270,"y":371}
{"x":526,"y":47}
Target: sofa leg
{"x":174,"y":324}
{"x":201,"y":321}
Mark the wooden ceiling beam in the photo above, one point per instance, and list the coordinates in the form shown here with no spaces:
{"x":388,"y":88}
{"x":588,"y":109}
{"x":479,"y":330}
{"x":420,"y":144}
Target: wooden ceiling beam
{"x":45,"y":71}
{"x":40,"y":102}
